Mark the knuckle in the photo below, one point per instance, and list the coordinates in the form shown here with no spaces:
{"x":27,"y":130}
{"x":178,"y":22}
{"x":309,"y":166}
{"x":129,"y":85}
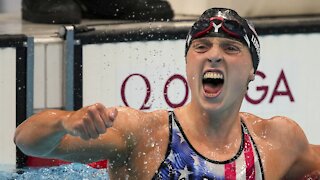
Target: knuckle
{"x":78,"y":128}
{"x":98,"y":105}
{"x":92,"y":109}
{"x":86,"y":120}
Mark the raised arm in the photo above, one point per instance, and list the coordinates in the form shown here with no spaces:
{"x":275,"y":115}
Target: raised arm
{"x":86,"y":135}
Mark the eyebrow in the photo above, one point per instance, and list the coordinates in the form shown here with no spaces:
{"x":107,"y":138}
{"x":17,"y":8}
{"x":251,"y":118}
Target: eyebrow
{"x":202,"y":40}
{"x":230,"y":41}
{"x":206,"y":40}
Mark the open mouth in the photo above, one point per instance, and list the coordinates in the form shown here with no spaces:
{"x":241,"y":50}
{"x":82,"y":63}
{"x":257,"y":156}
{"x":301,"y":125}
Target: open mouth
{"x":212,"y":83}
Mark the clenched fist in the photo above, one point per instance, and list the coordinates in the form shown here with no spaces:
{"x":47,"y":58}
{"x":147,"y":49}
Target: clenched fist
{"x":91,"y":121}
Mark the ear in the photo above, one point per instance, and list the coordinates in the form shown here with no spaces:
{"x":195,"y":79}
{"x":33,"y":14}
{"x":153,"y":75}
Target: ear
{"x":251,"y":75}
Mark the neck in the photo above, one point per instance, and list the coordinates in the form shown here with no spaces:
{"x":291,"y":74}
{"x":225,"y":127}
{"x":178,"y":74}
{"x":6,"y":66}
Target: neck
{"x":220,"y":124}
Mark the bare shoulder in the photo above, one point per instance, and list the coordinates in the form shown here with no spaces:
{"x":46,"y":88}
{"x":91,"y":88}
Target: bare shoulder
{"x":154,"y":119}
{"x":277,"y":128}
{"x":134,"y":120}
{"x":283,"y":145}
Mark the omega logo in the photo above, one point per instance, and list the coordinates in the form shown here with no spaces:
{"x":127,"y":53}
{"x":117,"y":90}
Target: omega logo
{"x":264,"y":89}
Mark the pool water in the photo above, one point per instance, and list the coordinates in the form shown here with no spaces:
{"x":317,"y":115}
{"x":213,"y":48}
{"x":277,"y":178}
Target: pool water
{"x":73,"y":171}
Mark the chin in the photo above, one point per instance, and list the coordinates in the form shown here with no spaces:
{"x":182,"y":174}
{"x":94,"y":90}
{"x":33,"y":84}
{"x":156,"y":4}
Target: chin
{"x":209,"y":104}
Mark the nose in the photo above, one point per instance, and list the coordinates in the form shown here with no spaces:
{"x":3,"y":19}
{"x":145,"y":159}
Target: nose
{"x":215,"y":60}
{"x":215,"y":55}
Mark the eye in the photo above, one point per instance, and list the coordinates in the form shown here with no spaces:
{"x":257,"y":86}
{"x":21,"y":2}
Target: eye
{"x":231,"y":48}
{"x":201,"y":47}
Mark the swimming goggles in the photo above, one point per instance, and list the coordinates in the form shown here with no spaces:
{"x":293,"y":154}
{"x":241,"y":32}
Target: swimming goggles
{"x":214,"y":24}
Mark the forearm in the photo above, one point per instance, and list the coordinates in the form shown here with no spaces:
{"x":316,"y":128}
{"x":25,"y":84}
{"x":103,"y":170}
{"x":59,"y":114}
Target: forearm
{"x":41,"y":134}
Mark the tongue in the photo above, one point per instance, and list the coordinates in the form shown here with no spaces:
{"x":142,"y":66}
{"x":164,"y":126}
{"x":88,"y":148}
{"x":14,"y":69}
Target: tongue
{"x":211,"y":89}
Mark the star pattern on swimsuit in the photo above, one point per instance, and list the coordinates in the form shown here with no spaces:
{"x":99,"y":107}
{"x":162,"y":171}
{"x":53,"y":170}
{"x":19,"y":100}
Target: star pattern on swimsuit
{"x":184,"y":173}
{"x":172,"y":156}
{"x":196,"y":160}
{"x":181,"y":138}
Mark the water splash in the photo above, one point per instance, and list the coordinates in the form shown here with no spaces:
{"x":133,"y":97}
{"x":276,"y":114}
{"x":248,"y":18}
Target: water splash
{"x":74,"y":171}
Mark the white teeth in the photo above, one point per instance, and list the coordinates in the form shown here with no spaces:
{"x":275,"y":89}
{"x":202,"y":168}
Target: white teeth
{"x":213,"y":75}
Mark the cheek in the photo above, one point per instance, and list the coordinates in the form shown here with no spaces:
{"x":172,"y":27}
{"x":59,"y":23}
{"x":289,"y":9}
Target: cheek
{"x":191,"y":66}
{"x":240,"y":70}
{"x":247,"y":61}
{"x":194,"y":67}
{"x":241,"y":64}
{"x":192,"y":73}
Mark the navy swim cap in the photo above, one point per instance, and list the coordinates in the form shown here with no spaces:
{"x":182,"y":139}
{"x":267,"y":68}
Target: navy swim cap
{"x":223,"y":22}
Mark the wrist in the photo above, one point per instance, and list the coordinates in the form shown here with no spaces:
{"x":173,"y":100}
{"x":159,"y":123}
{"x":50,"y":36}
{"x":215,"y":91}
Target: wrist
{"x":62,"y":123}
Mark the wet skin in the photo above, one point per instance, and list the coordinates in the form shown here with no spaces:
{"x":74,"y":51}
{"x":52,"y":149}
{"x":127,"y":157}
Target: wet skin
{"x":135,"y":142}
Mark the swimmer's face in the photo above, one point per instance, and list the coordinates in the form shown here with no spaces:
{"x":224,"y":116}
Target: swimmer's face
{"x":218,"y":72}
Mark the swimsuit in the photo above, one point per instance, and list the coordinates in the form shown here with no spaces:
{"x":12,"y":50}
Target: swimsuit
{"x":182,"y":161}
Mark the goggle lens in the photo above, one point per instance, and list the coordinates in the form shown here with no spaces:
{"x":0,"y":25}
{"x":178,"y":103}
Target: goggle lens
{"x":231,"y":27}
